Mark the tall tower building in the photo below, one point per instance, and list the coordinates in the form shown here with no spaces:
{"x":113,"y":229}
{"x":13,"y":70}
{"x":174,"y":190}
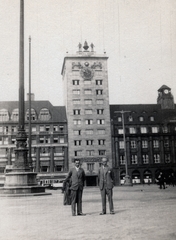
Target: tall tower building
{"x":85,"y":79}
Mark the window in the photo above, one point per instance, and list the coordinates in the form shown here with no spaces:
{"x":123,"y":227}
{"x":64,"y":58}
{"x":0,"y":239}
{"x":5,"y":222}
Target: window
{"x":154,"y":129}
{"x":155,"y":143}
{"x":132,"y":130}
{"x":33,"y":141}
{"x":42,"y":128}
{"x":55,"y":140}
{"x":100,"y":111}
{"x":6,"y":141}
{"x":165,"y":129}
{"x":41,"y":140}
{"x":130,"y":119}
{"x":166,"y":142}
{"x":4,"y":115}
{"x":47,"y":139}
{"x":134,"y":159}
{"x":77,"y":132}
{"x":55,"y":128}
{"x":167,"y":158}
{"x":77,"y":142}
{"x":1,"y":129}
{"x":44,"y":114}
{"x":87,"y":91}
{"x":90,"y":167}
{"x":76,"y":101}
{"x":75,"y":82}
{"x":145,"y":158}
{"x":89,"y":122}
{"x":89,"y":131}
{"x":121,"y":144}
{"x":76,"y":121}
{"x":99,"y":101}
{"x":15,"y":114}
{"x":78,"y":153}
{"x":76,"y":91}
{"x":44,"y":169}
{"x":6,"y":130}
{"x":122,"y":160}
{"x":33,"y":129}
{"x":99,"y":92}
{"x":33,"y":115}
{"x":133,"y":144}
{"x":76,"y":112}
{"x":143,"y":130}
{"x":101,"y":131}
{"x":13,"y":140}
{"x":100,"y":121}
{"x":58,"y":168}
{"x":119,"y":119}
{"x":62,"y":140}
{"x":156,"y":158}
{"x":88,"y":101}
{"x":102,"y":152}
{"x":90,"y":152}
{"x":47,"y":128}
{"x":120,"y":131}
{"x":89,"y":142}
{"x":144,"y":144}
{"x":14,"y":129}
{"x":101,"y":142}
{"x":88,"y":111}
{"x":152,"y":119}
{"x":141,"y":119}
{"x":99,"y":82}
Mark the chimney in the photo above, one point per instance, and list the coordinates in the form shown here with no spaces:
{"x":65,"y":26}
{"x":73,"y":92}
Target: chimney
{"x":32,"y":96}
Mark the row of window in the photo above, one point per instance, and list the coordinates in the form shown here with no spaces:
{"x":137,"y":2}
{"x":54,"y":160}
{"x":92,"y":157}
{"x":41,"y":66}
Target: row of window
{"x":89,"y":142}
{"x":133,"y":130}
{"x":98,"y":82}
{"x":42,"y":128}
{"x":140,"y":118}
{"x":88,"y":91}
{"x":145,"y":159}
{"x":88,"y":101}
{"x":144,"y":144}
{"x":87,"y":111}
{"x":89,"y":121}
{"x":89,"y":132}
{"x":42,"y":140}
{"x":44,"y":115}
{"x":79,"y":153}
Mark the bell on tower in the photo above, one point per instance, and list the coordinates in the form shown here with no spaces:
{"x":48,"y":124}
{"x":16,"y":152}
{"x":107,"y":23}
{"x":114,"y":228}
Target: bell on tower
{"x":165,"y":98}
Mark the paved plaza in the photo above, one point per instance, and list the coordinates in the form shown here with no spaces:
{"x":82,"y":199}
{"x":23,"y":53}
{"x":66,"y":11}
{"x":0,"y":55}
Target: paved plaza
{"x":142,"y":213}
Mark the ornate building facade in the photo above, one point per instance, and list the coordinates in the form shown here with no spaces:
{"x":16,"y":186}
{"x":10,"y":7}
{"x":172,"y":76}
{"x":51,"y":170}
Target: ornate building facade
{"x":85,"y":78}
{"x":150,"y":137}
{"x":49,"y":145}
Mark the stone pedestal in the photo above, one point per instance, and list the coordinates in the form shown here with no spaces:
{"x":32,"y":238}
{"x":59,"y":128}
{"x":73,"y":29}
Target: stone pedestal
{"x":21,"y":184}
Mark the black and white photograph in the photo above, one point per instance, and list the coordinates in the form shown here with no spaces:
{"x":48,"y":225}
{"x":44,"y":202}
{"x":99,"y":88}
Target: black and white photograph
{"x":88,"y":119}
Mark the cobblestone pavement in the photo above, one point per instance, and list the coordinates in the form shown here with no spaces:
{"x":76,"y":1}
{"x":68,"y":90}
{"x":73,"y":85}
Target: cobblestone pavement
{"x":142,"y":213}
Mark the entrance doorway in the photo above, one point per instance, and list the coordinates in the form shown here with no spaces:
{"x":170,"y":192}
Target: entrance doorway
{"x":91,"y":180}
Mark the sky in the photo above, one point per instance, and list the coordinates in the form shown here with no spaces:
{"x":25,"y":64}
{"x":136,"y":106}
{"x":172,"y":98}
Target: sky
{"x":138,"y":36}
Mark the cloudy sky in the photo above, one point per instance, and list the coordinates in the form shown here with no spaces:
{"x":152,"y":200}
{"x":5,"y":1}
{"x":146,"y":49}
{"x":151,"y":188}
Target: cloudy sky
{"x":139,"y":38}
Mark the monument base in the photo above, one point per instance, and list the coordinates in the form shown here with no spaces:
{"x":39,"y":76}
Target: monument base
{"x":21,"y":184}
{"x":127,"y":181}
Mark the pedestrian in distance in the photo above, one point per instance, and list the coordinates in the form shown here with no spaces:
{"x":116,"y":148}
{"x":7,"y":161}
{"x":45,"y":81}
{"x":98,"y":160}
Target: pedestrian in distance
{"x":161,"y":181}
{"x":77,"y":177}
{"x":106,"y":183}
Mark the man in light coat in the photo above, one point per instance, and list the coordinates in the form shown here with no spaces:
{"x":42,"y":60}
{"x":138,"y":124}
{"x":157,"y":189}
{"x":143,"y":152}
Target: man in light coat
{"x":77,"y":177}
{"x":106,"y":183}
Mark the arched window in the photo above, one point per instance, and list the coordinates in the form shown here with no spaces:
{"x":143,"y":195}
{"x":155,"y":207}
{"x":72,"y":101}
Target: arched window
{"x":4,"y":115}
{"x":15,"y":114}
{"x":33,"y":115}
{"x":44,"y":114}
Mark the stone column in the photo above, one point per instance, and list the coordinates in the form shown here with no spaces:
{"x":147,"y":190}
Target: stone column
{"x":52,"y":159}
{"x":173,"y":160}
{"x":161,"y":150}
{"x":139,"y":154}
{"x":150,"y":150}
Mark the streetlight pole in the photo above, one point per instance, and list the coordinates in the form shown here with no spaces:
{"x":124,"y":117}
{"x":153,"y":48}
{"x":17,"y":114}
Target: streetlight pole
{"x":127,"y":181}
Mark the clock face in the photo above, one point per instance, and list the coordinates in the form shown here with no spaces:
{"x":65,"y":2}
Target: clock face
{"x":86,"y":73}
{"x":166,"y":91}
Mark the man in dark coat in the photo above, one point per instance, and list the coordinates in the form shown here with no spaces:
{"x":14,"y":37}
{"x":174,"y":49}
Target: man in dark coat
{"x":77,"y":177}
{"x":106,"y":183}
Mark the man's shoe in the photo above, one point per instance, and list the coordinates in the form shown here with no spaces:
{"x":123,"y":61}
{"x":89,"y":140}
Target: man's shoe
{"x":102,"y":213}
{"x":73,"y":214}
{"x":81,"y":214}
{"x":112,"y":212}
